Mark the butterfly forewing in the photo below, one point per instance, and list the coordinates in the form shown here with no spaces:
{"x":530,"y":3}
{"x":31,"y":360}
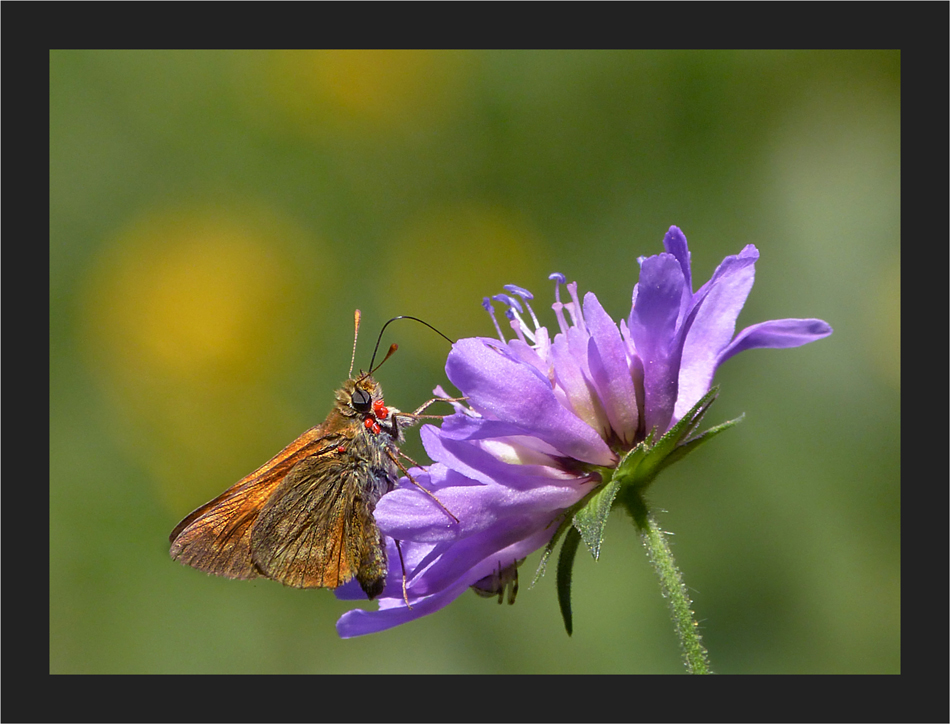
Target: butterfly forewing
{"x":216,"y":538}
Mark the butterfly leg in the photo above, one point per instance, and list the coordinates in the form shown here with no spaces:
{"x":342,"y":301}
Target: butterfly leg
{"x":416,"y":483}
{"x":418,"y":412}
{"x":402,"y":564}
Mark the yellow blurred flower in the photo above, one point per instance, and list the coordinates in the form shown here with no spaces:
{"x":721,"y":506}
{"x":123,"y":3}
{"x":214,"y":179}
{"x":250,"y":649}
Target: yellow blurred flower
{"x":356,"y":92}
{"x":188,"y":317}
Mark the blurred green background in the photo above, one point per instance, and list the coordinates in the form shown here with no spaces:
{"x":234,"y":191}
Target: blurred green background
{"x":216,"y":217}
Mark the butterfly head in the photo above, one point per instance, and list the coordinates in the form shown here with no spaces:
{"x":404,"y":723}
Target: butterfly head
{"x":361,"y":400}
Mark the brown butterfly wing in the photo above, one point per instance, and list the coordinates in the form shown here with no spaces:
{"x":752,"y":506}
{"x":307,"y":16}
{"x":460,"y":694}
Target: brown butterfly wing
{"x":317,"y":529}
{"x":216,"y":538}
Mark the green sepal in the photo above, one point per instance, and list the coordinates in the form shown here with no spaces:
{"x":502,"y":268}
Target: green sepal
{"x":565,"y":568}
{"x":626,"y":472}
{"x":676,"y":435}
{"x":566,"y":522}
{"x":590,"y":520}
{"x":680,"y":451}
{"x":639,"y":467}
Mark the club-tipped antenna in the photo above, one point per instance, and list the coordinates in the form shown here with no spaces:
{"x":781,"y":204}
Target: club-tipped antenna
{"x":392,"y":350}
{"x":393,"y":347}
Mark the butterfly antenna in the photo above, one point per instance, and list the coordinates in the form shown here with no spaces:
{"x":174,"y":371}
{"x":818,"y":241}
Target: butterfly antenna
{"x":356,"y":333}
{"x":393,"y":347}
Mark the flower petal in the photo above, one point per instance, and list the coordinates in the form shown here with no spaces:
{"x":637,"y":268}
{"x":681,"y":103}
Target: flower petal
{"x":653,"y":326}
{"x":407,"y":512}
{"x":711,"y":324}
{"x":611,"y":370}
{"x":480,"y":462}
{"x":360,"y":622}
{"x":675,"y":243}
{"x":498,"y":525}
{"x":776,"y":334}
{"x":479,"y":502}
{"x":393,"y":611}
{"x":570,"y":380}
{"x":509,"y":443}
{"x":502,"y":388}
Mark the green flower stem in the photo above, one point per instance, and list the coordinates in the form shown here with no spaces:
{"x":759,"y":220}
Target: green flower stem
{"x":671,"y":582}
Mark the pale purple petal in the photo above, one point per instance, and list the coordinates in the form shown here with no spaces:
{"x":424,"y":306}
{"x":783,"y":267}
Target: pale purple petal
{"x":675,"y":243}
{"x":457,"y":561}
{"x":360,"y":622}
{"x":653,"y":326}
{"x":491,"y":516}
{"x":749,"y":254}
{"x":480,"y":463}
{"x":523,"y":353}
{"x":465,"y":427}
{"x":579,"y":395}
{"x":611,"y":370}
{"x":711,"y":325}
{"x":408,"y":513}
{"x":498,"y":524}
{"x":507,"y":390}
{"x":776,"y":334}
{"x":500,"y":491}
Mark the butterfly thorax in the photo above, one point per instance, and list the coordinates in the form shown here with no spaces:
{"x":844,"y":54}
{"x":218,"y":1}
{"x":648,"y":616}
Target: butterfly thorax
{"x":369,"y":433}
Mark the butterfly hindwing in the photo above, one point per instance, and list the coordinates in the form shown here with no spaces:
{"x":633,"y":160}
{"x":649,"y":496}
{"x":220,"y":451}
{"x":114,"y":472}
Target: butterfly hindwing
{"x":310,"y":531}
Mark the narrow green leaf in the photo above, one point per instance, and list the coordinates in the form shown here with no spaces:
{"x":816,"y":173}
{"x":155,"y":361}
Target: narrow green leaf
{"x":716,"y":429}
{"x":549,"y":548}
{"x":696,"y":413}
{"x":565,"y":567}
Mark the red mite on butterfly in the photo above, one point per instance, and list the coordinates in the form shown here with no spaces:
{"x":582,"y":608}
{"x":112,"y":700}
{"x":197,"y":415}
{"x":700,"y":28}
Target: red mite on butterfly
{"x":305,"y":517}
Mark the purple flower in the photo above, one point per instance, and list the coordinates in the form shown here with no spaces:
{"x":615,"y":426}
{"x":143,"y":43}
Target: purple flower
{"x":548,"y":419}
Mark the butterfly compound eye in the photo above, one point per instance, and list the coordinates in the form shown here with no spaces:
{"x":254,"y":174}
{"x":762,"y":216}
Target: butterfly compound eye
{"x":362,"y":401}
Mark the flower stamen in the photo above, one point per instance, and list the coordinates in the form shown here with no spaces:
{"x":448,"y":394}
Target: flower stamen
{"x":558,"y":307}
{"x":514,"y":313}
{"x":525,"y":295}
{"x":574,"y":308}
{"x":487,"y":306}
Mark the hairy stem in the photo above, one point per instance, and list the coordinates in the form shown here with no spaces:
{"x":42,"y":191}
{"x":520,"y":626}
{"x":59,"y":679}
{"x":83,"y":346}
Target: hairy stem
{"x":671,"y":583}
